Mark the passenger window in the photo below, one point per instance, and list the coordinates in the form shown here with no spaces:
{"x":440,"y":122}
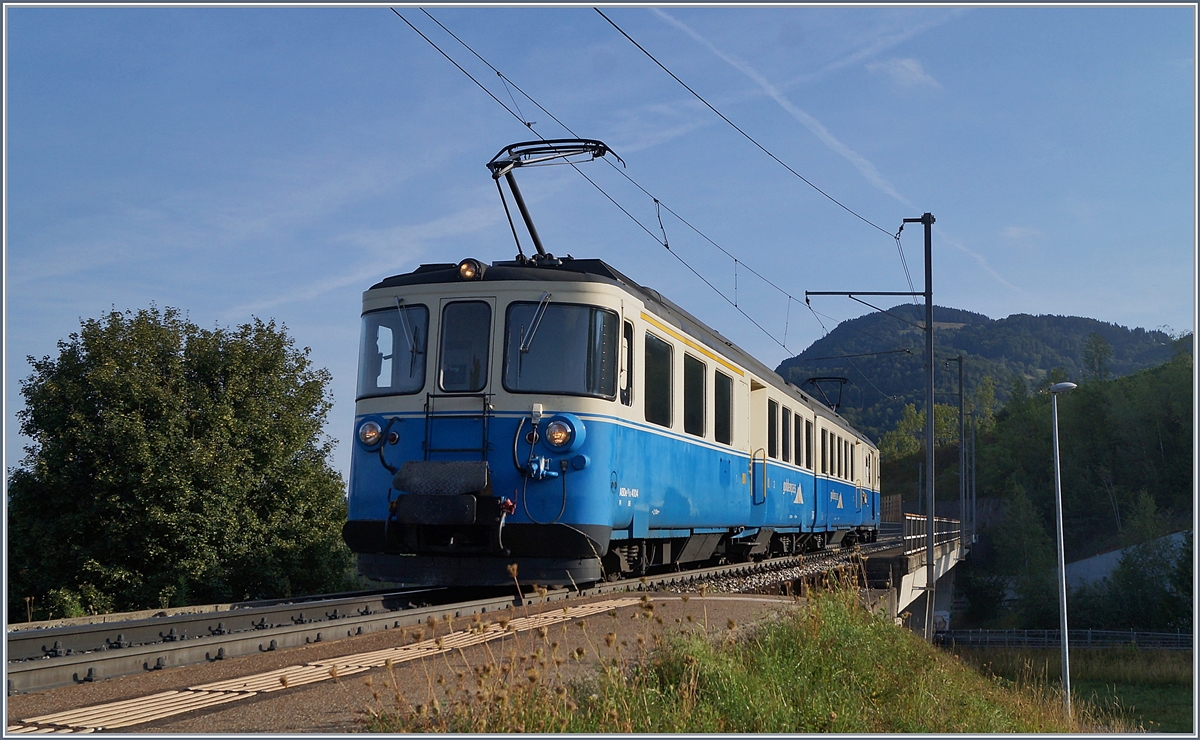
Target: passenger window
{"x":808,"y":443}
{"x":466,"y":329}
{"x":824,"y":452}
{"x":772,"y":429}
{"x":787,"y":434}
{"x":693,"y":395}
{"x":658,"y":381}
{"x":627,"y":366}
{"x":723,"y":409}
{"x":835,"y":453}
{"x":799,"y":441}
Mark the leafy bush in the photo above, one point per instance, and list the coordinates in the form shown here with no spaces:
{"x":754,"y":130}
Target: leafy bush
{"x":171,"y":463}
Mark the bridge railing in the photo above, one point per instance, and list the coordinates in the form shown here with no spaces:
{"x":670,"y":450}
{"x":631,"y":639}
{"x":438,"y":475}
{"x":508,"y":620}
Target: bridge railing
{"x":916,"y":531}
{"x":1076,"y":639}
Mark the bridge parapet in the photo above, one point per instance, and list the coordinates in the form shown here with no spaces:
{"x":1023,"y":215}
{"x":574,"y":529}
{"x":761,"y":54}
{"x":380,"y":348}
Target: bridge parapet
{"x":903,"y":570}
{"x":916,"y":532}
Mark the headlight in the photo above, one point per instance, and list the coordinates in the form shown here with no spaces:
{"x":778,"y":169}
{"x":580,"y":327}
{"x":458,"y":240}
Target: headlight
{"x":470,"y":269}
{"x":369,"y":433}
{"x":559,"y":433}
{"x":564,"y":433}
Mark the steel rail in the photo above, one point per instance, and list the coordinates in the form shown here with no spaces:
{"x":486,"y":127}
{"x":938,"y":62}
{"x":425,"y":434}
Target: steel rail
{"x":51,"y":672}
{"x":69,"y":640}
{"x":277,"y":626}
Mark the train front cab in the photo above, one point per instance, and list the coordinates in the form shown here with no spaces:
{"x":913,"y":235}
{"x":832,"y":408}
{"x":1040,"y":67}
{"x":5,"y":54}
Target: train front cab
{"x":492,"y":405}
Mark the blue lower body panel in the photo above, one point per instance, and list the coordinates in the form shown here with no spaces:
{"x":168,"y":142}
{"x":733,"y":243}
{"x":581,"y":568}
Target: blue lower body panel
{"x":558,"y":514}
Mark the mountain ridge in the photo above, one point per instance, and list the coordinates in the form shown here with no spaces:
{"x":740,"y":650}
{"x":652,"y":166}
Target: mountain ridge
{"x":882,"y":355}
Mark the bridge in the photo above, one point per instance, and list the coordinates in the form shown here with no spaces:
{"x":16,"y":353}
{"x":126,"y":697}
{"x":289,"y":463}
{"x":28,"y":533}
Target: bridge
{"x":902,"y":571}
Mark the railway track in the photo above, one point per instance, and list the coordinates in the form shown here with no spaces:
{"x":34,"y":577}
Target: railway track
{"x":41,"y":659}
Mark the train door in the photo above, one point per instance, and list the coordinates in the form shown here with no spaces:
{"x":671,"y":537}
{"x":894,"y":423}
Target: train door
{"x":623,"y":492}
{"x":458,"y":411}
{"x":821,"y":477}
{"x":758,"y":452}
{"x":856,"y":475}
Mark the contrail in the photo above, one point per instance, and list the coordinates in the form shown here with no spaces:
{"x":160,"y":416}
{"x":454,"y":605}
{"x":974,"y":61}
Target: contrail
{"x":861,"y":163}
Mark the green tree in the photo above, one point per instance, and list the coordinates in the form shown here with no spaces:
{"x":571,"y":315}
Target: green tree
{"x":1018,"y":389}
{"x":172,"y":464}
{"x":905,"y":439}
{"x":1029,"y":560}
{"x":909,"y":435}
{"x":1146,"y":590}
{"x":984,"y":405}
{"x":1145,"y":523}
{"x":1097,"y":354}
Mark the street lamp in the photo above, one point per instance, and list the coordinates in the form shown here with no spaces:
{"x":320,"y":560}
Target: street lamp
{"x":1056,"y":389}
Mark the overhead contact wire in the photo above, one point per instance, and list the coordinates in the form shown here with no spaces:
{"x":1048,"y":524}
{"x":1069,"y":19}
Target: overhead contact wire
{"x":722,"y":116}
{"x":620,"y":171}
{"x":663,"y":242}
{"x":657,"y":202}
{"x":750,"y":138}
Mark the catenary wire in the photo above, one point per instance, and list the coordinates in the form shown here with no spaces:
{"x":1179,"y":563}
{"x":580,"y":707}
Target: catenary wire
{"x":860,"y":354}
{"x":663,"y":242}
{"x":739,"y":130}
{"x":896,"y":236}
{"x":658,"y":203}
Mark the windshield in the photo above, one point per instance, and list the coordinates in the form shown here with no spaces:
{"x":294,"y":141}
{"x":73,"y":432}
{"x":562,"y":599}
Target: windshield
{"x":573,"y":352}
{"x":391,"y":358}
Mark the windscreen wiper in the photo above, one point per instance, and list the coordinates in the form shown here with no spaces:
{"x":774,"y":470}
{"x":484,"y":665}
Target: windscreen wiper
{"x":410,"y":335}
{"x":527,"y":338}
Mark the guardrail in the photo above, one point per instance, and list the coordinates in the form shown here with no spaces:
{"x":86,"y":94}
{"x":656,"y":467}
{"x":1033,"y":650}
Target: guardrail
{"x":916,"y":531}
{"x":1076,"y":639}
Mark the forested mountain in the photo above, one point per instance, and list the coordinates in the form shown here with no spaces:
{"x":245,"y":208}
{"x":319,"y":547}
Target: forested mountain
{"x":1127,"y":472}
{"x":882,"y":354}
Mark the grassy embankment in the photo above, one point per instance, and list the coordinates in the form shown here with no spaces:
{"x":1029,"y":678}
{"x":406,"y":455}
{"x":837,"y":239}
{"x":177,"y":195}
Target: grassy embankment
{"x":1151,"y":688}
{"x":830,"y":666}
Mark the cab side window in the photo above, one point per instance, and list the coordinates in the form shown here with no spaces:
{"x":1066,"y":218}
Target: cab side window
{"x":627,"y":367}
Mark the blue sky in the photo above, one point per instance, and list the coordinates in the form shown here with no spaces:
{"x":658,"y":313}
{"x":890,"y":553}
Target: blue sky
{"x":275,"y":162}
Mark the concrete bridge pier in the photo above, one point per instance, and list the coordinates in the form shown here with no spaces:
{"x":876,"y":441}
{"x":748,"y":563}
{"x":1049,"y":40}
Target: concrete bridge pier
{"x":902,"y":578}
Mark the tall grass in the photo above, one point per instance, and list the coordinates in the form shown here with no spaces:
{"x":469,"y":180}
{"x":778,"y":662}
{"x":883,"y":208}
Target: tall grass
{"x":1152,"y":688}
{"x":830,"y":666}
{"x":1114,"y":665}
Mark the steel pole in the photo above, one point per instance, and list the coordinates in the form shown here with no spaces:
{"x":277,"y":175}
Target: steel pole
{"x":962,"y":456}
{"x":973,"y":512}
{"x":930,"y":571}
{"x":1062,"y":570}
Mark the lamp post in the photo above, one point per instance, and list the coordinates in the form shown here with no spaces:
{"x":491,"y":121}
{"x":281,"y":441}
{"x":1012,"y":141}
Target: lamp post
{"x":1056,"y":389}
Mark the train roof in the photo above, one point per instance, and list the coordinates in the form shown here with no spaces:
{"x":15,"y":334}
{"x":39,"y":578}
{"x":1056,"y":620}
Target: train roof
{"x":569,"y":269}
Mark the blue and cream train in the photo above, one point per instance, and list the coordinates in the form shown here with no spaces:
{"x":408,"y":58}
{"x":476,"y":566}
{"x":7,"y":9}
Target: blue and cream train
{"x":554,"y":414}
